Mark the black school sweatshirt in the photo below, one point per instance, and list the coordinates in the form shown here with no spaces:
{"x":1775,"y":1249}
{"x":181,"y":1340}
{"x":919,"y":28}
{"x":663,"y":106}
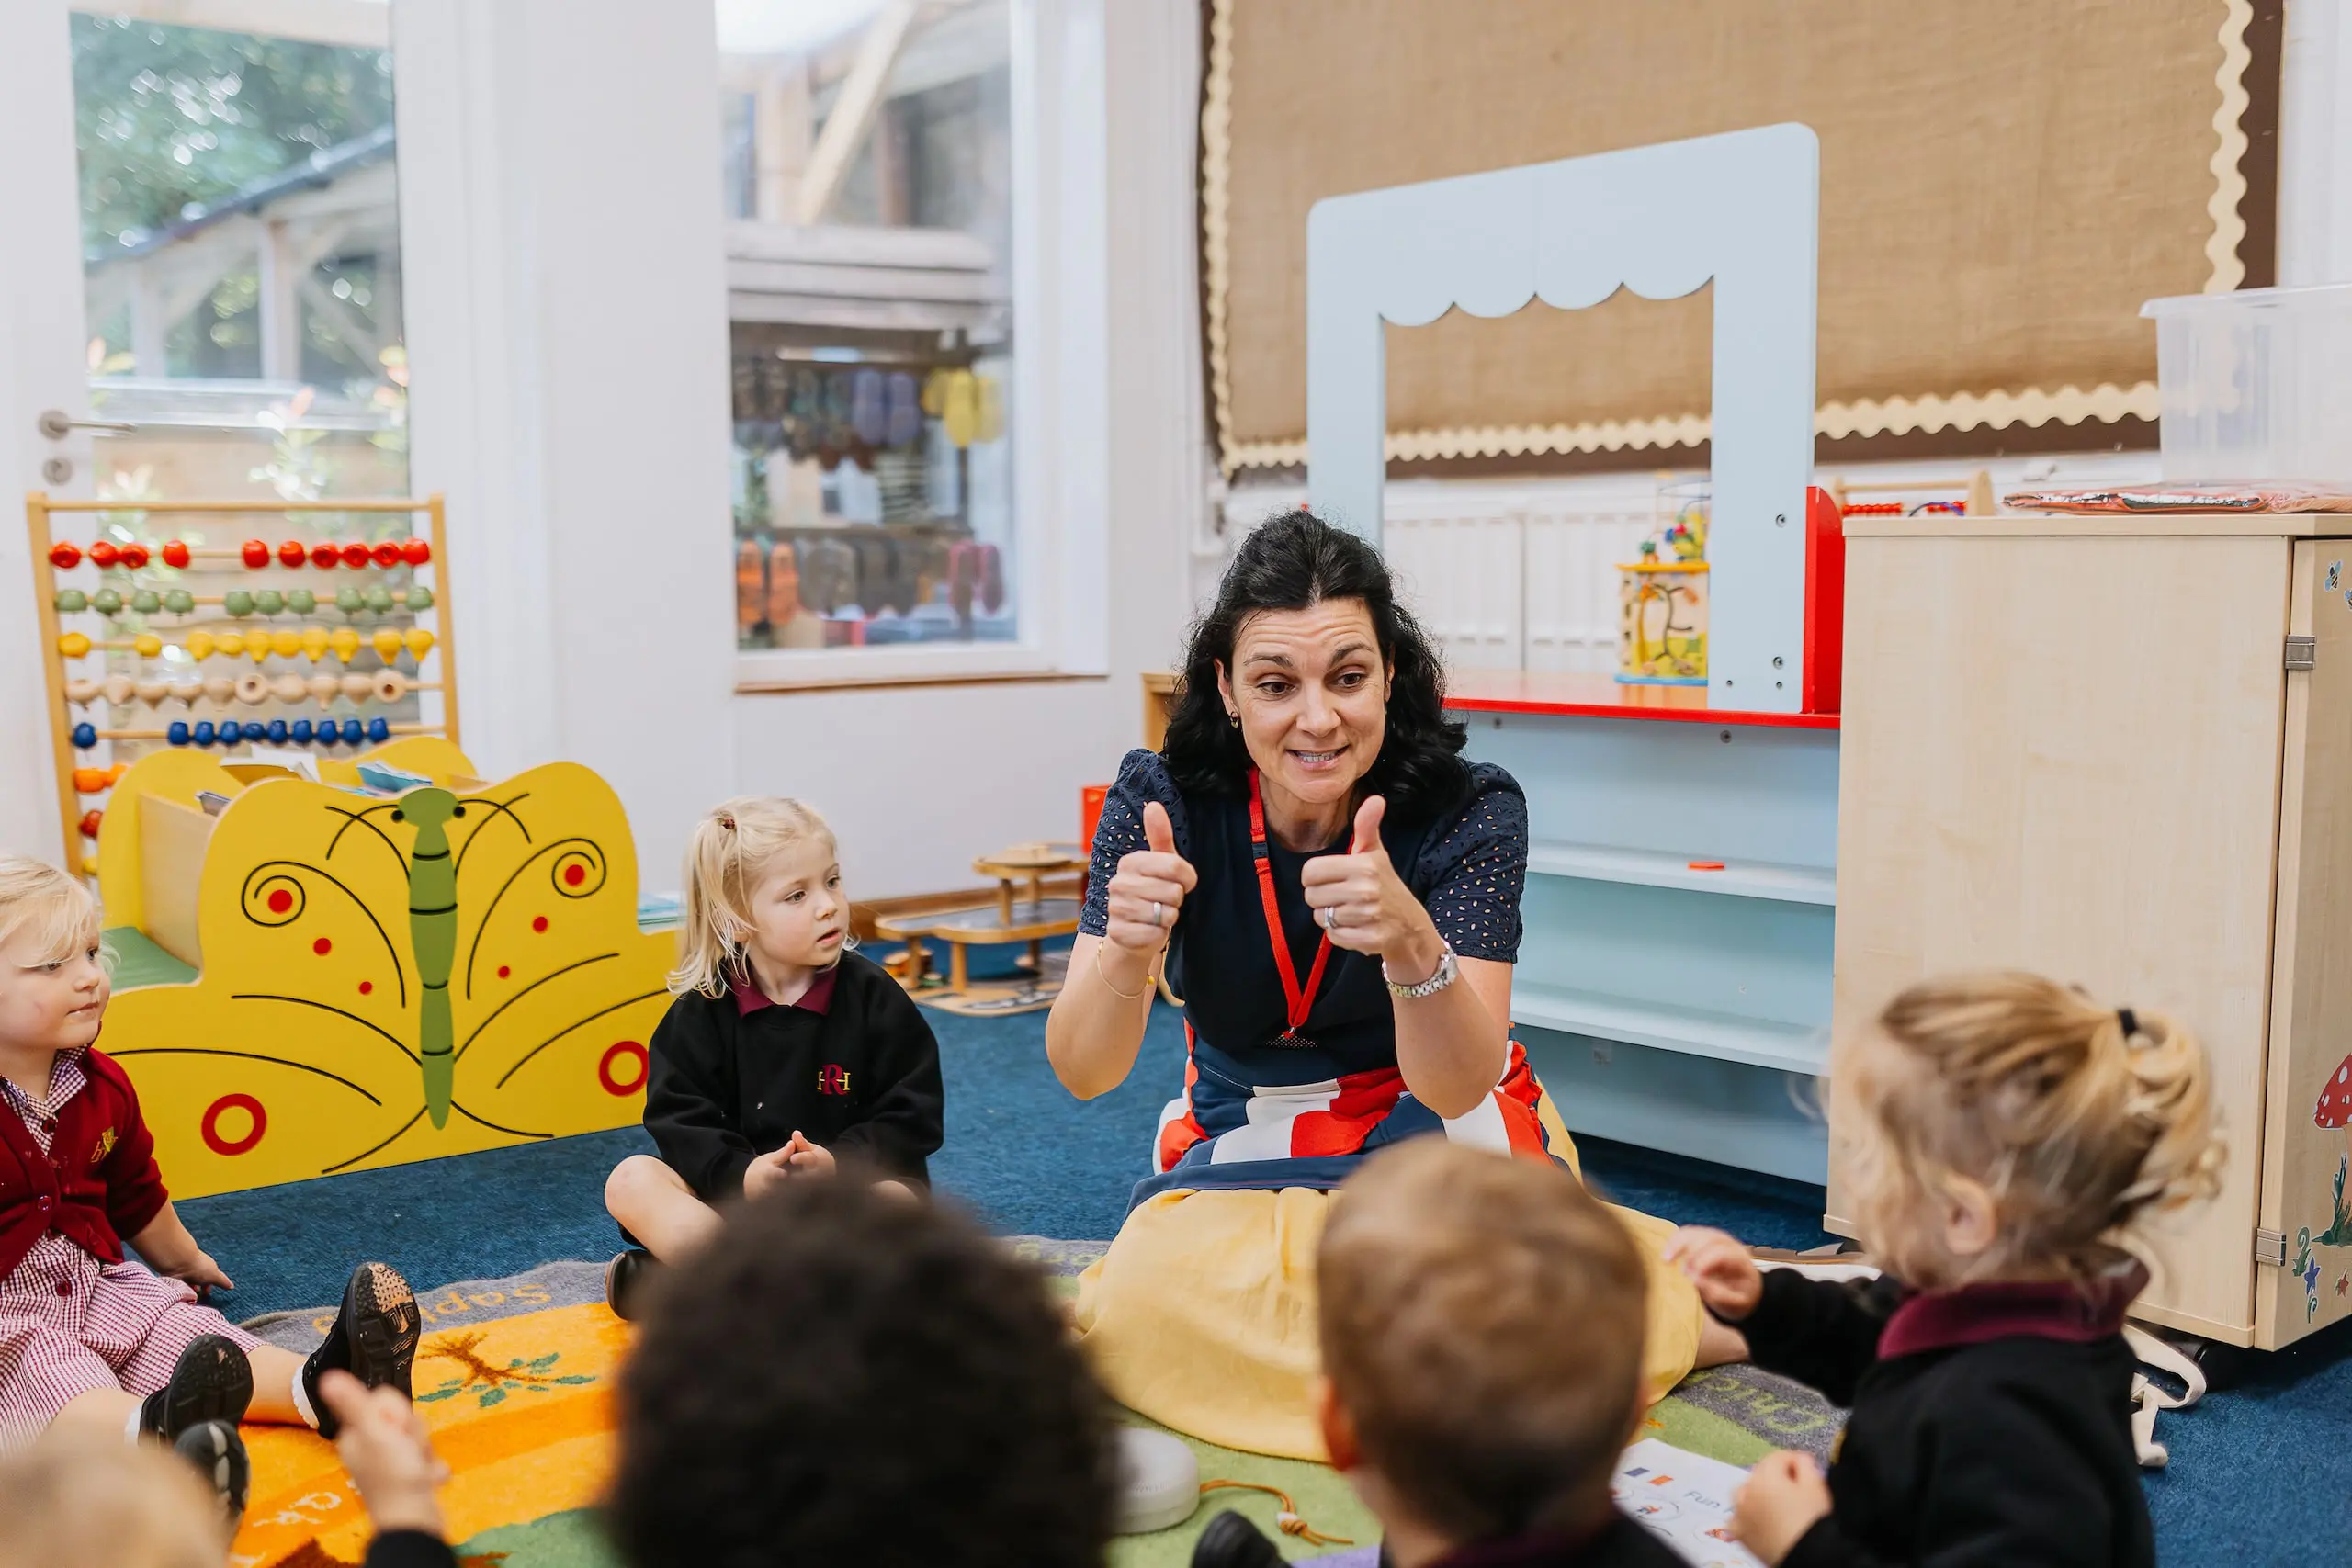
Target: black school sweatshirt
{"x":852,"y":1064}
{"x":1991,"y":1425}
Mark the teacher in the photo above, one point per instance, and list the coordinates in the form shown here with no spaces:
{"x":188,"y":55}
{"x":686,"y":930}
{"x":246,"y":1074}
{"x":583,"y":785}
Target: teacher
{"x":1334,"y":892}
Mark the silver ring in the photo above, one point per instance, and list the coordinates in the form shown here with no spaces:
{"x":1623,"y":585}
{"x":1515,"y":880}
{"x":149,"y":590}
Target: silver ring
{"x":1159,"y":914}
{"x":1331,"y":917}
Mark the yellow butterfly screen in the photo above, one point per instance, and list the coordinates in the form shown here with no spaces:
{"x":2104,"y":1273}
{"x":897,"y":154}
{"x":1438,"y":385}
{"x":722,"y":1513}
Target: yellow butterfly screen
{"x":388,"y":980}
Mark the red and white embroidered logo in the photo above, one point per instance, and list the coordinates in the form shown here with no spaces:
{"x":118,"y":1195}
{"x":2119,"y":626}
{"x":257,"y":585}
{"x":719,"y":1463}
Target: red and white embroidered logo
{"x":832,"y":1078}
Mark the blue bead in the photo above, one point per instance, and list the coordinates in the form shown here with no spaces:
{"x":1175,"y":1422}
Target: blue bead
{"x":177,"y":732}
{"x":300,"y":731}
{"x":278,"y":732}
{"x":204,"y":734}
{"x":380,"y":730}
{"x":354,"y":732}
{"x":85,"y":736}
{"x":231,"y":732}
{"x":326,"y":736}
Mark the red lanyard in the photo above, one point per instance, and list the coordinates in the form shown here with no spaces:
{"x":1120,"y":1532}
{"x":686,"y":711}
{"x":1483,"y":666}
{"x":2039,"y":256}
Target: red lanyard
{"x":1298,"y":999}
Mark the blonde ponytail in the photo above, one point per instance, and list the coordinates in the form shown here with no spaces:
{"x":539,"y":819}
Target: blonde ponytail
{"x":2081,"y":1119}
{"x":731,"y":848}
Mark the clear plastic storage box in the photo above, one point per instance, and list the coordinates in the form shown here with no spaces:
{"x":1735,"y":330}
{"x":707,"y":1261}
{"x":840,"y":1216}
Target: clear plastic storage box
{"x":2257,"y":385}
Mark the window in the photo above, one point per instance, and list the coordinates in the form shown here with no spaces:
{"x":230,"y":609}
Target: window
{"x":867,"y":150}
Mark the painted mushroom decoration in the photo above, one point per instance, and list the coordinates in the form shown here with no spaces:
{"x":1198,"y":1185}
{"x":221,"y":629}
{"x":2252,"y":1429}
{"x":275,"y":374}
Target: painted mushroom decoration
{"x":2334,"y":1108}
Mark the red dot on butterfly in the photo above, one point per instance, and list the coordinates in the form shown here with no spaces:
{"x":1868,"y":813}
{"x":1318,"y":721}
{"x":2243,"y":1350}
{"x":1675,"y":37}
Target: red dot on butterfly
{"x":323,"y":947}
{"x":504,"y":971}
{"x":539,"y":924}
{"x":365,"y":987}
{"x":574,"y":874}
{"x":280,"y":901}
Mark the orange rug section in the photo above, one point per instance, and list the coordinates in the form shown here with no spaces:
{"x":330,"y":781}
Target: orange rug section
{"x":520,"y":1407}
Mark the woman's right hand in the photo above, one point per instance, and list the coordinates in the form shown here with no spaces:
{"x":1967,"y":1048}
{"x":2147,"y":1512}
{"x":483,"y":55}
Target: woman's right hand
{"x":1148,"y":888}
{"x":1728,"y":1280}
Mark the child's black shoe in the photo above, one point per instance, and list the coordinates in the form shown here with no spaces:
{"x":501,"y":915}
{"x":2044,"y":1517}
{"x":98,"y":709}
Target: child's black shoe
{"x":1232,"y":1541}
{"x":210,"y":1382}
{"x":626,"y":1278}
{"x":374,"y":1338}
{"x":219,"y":1455}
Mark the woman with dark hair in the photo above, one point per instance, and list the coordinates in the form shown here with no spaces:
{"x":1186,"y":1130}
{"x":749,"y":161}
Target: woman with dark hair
{"x":1334,"y":892}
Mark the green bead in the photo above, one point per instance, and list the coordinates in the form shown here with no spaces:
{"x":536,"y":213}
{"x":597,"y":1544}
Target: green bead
{"x":302,"y":601}
{"x":379,"y":599}
{"x":238,"y":603}
{"x":420,"y":598}
{"x":107,"y":601}
{"x":71,"y":600}
{"x":350,"y":602}
{"x":179,"y":601}
{"x":146,"y":601}
{"x":269,"y":600}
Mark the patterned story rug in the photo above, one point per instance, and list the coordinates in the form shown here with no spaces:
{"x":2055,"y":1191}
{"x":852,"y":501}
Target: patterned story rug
{"x":514,"y":1377}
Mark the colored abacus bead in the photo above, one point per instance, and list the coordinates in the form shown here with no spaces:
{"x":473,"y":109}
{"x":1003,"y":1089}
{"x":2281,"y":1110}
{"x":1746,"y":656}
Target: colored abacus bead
{"x":104,"y":555}
{"x":73,"y":645}
{"x":229,"y":732}
{"x":84,"y":736}
{"x":288,"y":689}
{"x":378,"y":599}
{"x":198,"y":645}
{"x":286,"y":642}
{"x":65,"y":557}
{"x":71,"y":600}
{"x":386,"y":553}
{"x":387,"y":686}
{"x":323,"y":688}
{"x":379,"y":731}
{"x":203,"y":734}
{"x":358,"y":688}
{"x":354,"y":554}
{"x":293,"y":552}
{"x":314,"y":642}
{"x":251,"y":690}
{"x":90,"y":820}
{"x":277,"y":731}
{"x":178,"y":601}
{"x":255,"y":554}
{"x":176,"y":552}
{"x":107,"y":601}
{"x":387,"y":644}
{"x":419,"y":597}
{"x":82,"y":689}
{"x":120,"y":689}
{"x":238,"y":603}
{"x":298,"y":732}
{"x":324,"y":555}
{"x":346,"y":643}
{"x":134,"y":556}
{"x":176,"y":733}
{"x":147,"y":645}
{"x":230,"y":643}
{"x":302,"y":601}
{"x":218,"y":688}
{"x":416,"y":552}
{"x":146,"y":602}
{"x":354,"y":732}
{"x":89,"y":781}
{"x":350,"y":601}
{"x":269,"y":601}
{"x":153,"y":691}
{"x":419,"y":641}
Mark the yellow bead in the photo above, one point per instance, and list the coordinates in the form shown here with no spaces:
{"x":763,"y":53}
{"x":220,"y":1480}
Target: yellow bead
{"x":198,"y":645}
{"x":314,"y":642}
{"x":73,"y":645}
{"x":147,"y":644}
{"x":346,"y":643}
{"x":231,"y":643}
{"x":285,"y":644}
{"x":387,"y":644}
{"x":420,"y":642}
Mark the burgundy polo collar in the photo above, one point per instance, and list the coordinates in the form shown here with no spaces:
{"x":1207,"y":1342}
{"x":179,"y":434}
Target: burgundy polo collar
{"x":1975,"y":1314}
{"x":817,"y":998}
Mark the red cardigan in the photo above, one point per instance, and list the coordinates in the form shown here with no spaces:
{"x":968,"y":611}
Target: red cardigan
{"x":98,"y":1184}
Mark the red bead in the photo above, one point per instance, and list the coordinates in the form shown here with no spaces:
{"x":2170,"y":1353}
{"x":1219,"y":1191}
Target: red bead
{"x":416,"y":552}
{"x":176,"y":553}
{"x":65,"y":557}
{"x":354,"y":554}
{"x":386,"y":553}
{"x":323,"y":555}
{"x":134,"y":556}
{"x":103,"y":554}
{"x":293,"y":553}
{"x":90,"y":820}
{"x":256,"y":554}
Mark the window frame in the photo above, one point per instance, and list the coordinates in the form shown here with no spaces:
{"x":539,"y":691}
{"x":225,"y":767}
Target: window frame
{"x":1060,"y":387}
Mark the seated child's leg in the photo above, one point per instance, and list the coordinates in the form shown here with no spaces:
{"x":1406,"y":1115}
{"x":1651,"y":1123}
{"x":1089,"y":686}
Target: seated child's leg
{"x":655,"y":1205}
{"x":1720,"y":1344}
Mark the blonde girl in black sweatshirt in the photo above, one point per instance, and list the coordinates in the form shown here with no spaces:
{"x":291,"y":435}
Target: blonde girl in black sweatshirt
{"x":785,"y":1055}
{"x":2006,"y":1136}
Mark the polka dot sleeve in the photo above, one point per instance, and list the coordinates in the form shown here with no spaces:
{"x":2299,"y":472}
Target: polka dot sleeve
{"x":1476,"y":868}
{"x":1142,"y":777}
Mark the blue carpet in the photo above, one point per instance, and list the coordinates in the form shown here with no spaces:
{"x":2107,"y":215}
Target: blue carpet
{"x":2260,"y":1471}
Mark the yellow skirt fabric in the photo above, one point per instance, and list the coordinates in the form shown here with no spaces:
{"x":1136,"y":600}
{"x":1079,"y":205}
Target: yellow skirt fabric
{"x":1202,"y":1314}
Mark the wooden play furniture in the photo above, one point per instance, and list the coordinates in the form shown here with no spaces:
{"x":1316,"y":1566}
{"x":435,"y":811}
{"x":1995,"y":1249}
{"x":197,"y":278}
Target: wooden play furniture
{"x":1012,"y":918}
{"x":2117,"y":750}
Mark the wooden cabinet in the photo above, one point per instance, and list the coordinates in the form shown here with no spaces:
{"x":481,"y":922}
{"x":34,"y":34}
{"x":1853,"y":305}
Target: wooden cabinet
{"x":2089,"y":748}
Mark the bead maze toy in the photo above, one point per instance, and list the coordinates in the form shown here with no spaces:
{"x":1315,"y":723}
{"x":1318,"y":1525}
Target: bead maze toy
{"x":395,"y":964}
{"x":164,"y":646}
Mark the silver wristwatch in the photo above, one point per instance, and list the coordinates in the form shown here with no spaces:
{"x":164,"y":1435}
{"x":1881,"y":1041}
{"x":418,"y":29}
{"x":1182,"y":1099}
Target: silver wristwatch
{"x":1448,"y":970}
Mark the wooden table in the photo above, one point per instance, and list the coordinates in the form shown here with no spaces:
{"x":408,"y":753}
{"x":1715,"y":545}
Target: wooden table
{"x":1012,"y":917}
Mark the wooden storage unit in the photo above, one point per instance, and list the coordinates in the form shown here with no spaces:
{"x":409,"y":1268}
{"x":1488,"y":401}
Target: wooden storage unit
{"x":2100,"y":748}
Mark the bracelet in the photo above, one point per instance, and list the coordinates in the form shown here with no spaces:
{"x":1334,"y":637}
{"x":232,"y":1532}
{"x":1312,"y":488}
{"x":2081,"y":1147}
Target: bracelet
{"x":1103,"y":976}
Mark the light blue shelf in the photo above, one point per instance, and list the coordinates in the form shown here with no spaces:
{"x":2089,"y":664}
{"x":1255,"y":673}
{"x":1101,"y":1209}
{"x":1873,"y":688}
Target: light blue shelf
{"x":1656,"y":868}
{"x":1752,"y":1042}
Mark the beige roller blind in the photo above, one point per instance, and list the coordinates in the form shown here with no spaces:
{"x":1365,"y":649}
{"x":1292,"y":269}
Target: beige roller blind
{"x":2003,"y":183}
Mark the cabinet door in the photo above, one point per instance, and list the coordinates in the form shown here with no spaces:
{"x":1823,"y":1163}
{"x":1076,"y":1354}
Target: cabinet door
{"x":2060,"y":754}
{"x":2307,"y":1143}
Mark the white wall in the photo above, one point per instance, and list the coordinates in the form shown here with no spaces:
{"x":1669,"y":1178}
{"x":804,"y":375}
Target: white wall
{"x":2315,"y":144}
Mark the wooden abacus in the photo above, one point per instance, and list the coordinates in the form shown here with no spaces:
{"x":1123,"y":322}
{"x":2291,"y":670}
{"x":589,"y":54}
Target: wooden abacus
{"x":199,"y":642}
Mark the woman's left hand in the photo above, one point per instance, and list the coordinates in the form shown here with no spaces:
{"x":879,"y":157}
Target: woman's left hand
{"x":1370,"y":909}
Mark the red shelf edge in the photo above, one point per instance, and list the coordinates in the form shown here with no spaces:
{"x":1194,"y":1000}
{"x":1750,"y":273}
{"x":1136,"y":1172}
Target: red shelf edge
{"x":1733,"y":718}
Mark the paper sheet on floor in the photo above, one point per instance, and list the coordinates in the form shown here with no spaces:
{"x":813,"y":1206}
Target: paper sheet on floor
{"x":1685,"y":1500}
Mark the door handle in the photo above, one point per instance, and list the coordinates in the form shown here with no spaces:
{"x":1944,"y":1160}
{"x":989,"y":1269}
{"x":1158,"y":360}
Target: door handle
{"x":57,"y":424}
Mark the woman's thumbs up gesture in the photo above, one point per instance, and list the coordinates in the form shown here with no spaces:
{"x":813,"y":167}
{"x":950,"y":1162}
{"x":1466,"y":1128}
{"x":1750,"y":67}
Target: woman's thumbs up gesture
{"x":1365,"y":906}
{"x":1147,"y":891}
